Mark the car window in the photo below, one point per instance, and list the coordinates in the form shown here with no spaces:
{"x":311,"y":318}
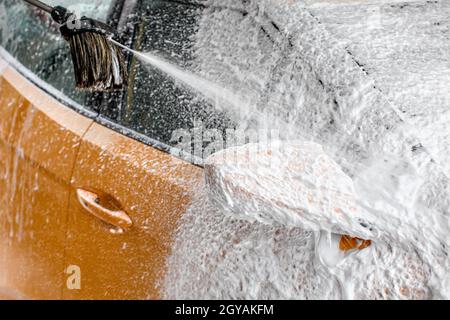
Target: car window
{"x":33,"y":38}
{"x":236,"y":59}
{"x":156,"y":104}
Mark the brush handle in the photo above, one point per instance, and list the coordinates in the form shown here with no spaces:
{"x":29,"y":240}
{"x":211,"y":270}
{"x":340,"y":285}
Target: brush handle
{"x":40,"y":5}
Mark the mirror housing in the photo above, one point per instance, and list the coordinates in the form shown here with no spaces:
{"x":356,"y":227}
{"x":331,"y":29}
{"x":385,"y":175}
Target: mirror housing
{"x":286,"y":183}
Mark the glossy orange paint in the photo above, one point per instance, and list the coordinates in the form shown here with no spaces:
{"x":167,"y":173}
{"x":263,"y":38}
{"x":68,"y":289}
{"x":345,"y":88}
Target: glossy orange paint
{"x":153,"y":188}
{"x":47,"y":153}
{"x":39,"y":139}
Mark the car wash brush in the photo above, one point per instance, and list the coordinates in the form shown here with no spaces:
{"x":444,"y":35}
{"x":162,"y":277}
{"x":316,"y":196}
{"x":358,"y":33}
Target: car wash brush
{"x":99,"y":64}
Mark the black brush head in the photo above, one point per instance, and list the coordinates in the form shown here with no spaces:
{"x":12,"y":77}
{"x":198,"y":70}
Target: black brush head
{"x":99,"y":64}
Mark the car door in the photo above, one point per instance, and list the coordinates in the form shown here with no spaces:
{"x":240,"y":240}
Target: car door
{"x":116,"y":174}
{"x":40,"y":134}
{"x":125,"y":173}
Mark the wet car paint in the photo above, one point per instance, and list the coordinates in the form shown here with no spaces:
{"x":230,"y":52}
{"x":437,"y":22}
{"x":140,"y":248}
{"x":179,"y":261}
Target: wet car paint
{"x":47,"y":152}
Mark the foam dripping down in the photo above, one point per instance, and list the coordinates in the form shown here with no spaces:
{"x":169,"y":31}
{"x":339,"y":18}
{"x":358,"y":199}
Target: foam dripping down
{"x":404,"y":197}
{"x":301,"y":187}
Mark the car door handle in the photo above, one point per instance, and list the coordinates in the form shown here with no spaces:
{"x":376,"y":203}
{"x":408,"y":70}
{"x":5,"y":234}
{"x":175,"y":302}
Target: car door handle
{"x":104,"y":210}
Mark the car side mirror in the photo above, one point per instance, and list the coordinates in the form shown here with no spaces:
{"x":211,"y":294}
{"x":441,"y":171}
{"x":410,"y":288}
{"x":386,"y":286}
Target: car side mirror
{"x":285,"y":183}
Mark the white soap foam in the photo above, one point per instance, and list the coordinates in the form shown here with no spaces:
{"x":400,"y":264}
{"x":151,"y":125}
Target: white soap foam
{"x":3,"y":66}
{"x":299,"y":185}
{"x":216,"y":256}
{"x":402,"y":191}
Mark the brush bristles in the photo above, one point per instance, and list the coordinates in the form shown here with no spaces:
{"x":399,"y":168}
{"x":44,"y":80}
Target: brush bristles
{"x":99,"y":64}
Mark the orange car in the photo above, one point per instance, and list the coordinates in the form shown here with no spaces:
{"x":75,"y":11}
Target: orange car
{"x":90,"y":188}
{"x":89,"y":194}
